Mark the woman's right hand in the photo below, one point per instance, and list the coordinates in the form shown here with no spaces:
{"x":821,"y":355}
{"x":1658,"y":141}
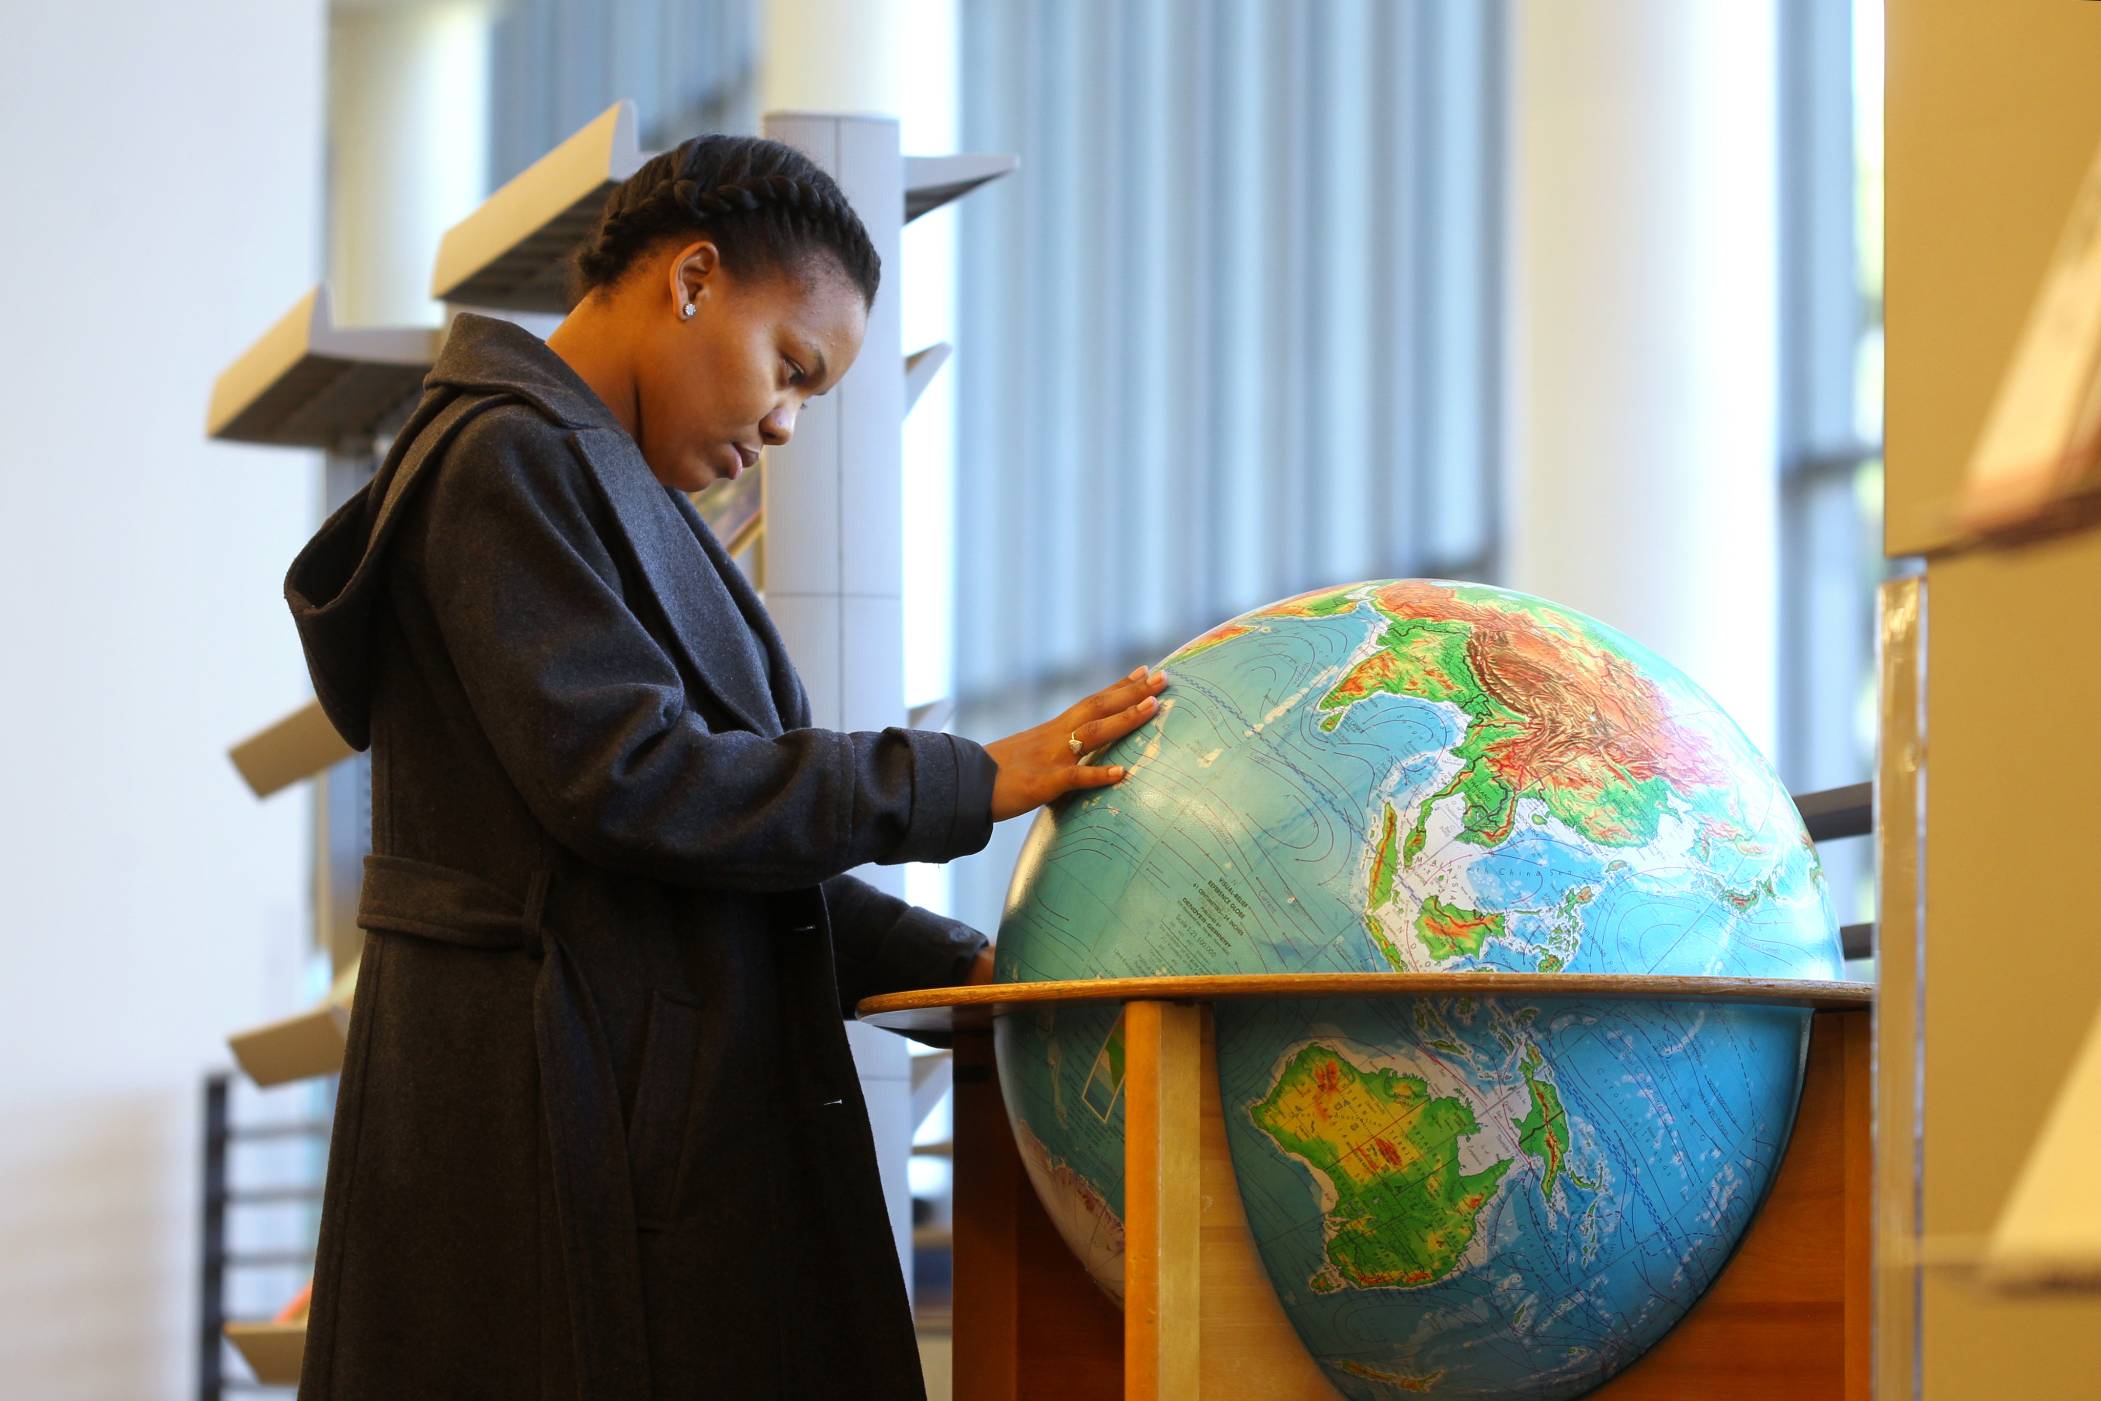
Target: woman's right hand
{"x":1038,"y":765}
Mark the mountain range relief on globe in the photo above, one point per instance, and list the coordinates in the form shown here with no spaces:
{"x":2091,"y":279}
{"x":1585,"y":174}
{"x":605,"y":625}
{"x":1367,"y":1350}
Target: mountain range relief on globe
{"x":1454,"y":1196}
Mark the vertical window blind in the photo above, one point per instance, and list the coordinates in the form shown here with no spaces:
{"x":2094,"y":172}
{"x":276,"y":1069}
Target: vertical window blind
{"x":1231,"y":332}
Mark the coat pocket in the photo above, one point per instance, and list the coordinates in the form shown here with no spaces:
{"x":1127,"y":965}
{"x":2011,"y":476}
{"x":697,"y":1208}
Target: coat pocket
{"x":657,"y":1131}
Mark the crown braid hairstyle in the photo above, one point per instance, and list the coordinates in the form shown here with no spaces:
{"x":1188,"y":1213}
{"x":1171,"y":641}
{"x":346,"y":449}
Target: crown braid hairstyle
{"x":763,"y":203}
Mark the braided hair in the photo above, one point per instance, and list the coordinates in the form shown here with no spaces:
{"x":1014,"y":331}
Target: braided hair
{"x":764,"y":204}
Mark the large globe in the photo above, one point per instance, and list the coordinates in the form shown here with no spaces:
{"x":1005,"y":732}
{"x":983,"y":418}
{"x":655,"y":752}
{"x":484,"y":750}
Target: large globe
{"x":1460,"y":1197}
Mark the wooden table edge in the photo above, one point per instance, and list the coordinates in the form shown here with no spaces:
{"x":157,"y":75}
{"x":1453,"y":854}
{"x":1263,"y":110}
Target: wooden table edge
{"x":973,"y":1008}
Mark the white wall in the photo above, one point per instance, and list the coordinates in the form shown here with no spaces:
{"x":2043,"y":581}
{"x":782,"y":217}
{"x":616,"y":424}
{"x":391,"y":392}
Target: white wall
{"x":162,"y":171}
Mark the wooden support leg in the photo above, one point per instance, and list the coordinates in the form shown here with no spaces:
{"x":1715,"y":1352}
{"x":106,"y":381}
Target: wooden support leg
{"x":1163,"y":1200}
{"x":1030,"y":1325}
{"x":989,"y":1185}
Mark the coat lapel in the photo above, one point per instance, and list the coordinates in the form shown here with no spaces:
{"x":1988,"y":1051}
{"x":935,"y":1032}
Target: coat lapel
{"x":714,"y":636}
{"x":790,"y":702}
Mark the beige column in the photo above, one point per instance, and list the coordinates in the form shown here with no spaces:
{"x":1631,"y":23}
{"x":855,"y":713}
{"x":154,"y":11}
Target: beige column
{"x":408,"y":121}
{"x":840,"y":56}
{"x":1643,"y":329}
{"x":408,"y":141}
{"x":831,"y":83}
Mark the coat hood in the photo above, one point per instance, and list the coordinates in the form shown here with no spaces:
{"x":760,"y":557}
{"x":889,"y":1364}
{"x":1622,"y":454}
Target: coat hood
{"x":337,"y":580}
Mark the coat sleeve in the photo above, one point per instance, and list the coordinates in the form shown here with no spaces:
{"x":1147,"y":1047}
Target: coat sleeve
{"x":883,"y":944}
{"x":589,"y":716}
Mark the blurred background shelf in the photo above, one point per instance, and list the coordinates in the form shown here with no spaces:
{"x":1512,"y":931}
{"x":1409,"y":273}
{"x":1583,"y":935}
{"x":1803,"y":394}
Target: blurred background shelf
{"x":309,"y":383}
{"x":271,"y":1350}
{"x":299,"y":746}
{"x":932,"y":181}
{"x":512,"y":253}
{"x":296,"y":1047}
{"x":293,"y":1048}
{"x":920,"y":368}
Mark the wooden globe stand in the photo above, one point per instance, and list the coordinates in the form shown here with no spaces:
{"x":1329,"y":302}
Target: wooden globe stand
{"x":1787,"y":1317}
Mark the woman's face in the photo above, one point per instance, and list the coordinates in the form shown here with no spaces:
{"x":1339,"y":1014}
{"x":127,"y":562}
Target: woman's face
{"x":715,"y":387}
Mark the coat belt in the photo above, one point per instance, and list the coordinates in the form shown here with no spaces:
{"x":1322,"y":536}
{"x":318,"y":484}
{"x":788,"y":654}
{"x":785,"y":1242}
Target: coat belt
{"x":579,"y":1094}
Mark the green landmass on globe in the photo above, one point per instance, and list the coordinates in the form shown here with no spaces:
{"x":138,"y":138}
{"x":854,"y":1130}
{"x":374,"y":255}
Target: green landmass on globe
{"x":1398,"y":1208}
{"x":1543,"y":1132}
{"x":1539,"y":697}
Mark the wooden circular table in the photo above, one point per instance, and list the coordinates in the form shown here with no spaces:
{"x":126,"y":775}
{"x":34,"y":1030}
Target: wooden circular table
{"x":973,"y":1008}
{"x":1787,"y":1316}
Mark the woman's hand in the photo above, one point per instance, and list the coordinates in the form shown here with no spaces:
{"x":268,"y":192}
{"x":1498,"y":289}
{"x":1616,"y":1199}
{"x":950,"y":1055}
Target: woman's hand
{"x":1038,"y":765}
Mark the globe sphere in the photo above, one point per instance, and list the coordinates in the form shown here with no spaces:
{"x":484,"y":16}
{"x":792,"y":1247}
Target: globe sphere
{"x":1452,"y":1196}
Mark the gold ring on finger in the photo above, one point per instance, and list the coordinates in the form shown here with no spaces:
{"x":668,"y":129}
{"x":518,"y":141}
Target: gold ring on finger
{"x":1072,"y":742}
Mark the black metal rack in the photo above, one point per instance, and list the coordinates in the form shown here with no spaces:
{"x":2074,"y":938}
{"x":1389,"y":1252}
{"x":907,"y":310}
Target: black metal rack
{"x":1834,"y":813}
{"x":216,"y":1259}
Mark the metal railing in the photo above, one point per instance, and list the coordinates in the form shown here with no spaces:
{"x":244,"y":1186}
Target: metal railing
{"x":216,"y":1259}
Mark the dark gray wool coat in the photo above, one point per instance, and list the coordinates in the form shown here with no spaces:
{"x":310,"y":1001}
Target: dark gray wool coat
{"x":598,"y":1133}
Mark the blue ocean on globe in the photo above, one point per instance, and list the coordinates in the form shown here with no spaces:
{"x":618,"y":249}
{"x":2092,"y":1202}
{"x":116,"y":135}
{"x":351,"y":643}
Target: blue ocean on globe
{"x":1451,"y":1196}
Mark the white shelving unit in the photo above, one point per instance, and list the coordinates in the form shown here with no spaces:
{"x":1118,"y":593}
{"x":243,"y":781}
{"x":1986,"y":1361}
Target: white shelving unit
{"x":834,"y":512}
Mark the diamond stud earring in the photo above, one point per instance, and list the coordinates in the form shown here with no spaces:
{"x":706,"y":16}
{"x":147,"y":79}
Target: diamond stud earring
{"x":686,"y":310}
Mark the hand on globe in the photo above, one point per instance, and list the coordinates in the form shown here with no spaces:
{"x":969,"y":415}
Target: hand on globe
{"x":1038,"y":764}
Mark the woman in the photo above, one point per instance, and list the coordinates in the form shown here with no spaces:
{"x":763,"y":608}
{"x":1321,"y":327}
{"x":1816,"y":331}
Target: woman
{"x":598,"y":1133}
